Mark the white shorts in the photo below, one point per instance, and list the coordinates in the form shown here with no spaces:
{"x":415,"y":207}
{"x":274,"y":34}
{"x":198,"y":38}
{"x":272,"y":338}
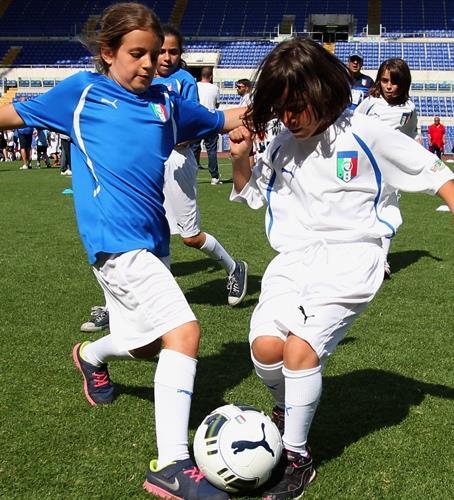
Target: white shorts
{"x":143,"y":298}
{"x":317,"y":293}
{"x":180,"y":192}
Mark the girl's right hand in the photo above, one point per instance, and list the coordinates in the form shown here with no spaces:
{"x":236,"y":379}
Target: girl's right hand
{"x":241,"y":140}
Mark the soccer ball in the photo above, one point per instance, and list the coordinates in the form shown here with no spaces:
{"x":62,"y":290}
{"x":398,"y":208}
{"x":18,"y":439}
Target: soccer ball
{"x":237,"y":447}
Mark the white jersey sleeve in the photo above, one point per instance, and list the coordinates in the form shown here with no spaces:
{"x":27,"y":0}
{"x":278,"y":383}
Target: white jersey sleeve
{"x":251,"y":194}
{"x":402,"y":162}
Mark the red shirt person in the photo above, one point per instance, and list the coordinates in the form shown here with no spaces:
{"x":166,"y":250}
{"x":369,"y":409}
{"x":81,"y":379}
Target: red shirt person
{"x":437,"y":137}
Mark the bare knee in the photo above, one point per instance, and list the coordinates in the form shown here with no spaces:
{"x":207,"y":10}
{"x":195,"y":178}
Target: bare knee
{"x":268,"y":350}
{"x":184,"y":339}
{"x":196,"y":241}
{"x":299,"y":354}
{"x":149,"y":351}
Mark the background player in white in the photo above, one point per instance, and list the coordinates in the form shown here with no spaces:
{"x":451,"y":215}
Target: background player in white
{"x":180,"y":182}
{"x":321,"y":180}
{"x":122,"y":130}
{"x":209,"y":97}
{"x":243,"y":89}
{"x":390,"y":102}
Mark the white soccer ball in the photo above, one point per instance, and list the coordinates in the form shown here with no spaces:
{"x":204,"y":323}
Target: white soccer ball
{"x":237,"y":447}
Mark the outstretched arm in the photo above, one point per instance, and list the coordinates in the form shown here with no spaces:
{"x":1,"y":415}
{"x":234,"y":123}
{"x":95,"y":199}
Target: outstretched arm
{"x":446,"y":193}
{"x":9,"y":118}
{"x":240,"y":145}
{"x":233,"y":118}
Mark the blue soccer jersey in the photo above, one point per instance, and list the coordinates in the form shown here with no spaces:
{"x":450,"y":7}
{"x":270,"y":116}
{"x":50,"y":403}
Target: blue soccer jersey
{"x":120,"y":142}
{"x":181,"y":82}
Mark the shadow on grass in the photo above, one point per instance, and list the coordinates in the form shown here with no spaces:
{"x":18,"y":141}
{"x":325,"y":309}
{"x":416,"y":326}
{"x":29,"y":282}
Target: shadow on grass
{"x":216,"y":374}
{"x":215,"y":293}
{"x":194,"y":266}
{"x":401,"y":260}
{"x":140,"y":392}
{"x":359,"y":403}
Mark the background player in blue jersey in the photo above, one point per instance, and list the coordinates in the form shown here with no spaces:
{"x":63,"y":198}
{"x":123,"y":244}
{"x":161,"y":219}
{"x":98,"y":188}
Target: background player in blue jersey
{"x":180,"y":181}
{"x":360,"y":83}
{"x":122,"y":130}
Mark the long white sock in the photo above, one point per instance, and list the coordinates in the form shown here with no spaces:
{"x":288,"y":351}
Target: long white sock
{"x":217,"y":252}
{"x":273,"y":378}
{"x":302,"y":394}
{"x":102,"y":350}
{"x":173,"y":386}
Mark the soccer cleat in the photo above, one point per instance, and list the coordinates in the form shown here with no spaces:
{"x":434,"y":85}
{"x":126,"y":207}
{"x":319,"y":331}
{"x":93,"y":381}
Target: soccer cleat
{"x":387,"y":270}
{"x":98,"y":387}
{"x":278,"y":418}
{"x":180,"y":480}
{"x":215,"y":181}
{"x":99,"y":320}
{"x":237,"y":283}
{"x":298,"y":473}
{"x":24,"y":167}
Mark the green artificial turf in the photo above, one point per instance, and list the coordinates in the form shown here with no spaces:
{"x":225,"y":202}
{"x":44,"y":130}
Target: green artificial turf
{"x":385,"y":425}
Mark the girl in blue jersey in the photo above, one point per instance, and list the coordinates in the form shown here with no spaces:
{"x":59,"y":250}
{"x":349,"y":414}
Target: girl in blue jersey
{"x":180,"y":181}
{"x":122,"y":130}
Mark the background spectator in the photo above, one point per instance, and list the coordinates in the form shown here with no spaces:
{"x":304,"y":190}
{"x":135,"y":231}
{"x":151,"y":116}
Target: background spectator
{"x":436,"y":133}
{"x":209,"y":97}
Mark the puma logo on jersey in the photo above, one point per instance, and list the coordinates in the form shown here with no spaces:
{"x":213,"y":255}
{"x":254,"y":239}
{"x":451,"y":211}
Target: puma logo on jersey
{"x":303,"y":312}
{"x":239,"y":446}
{"x":111,"y":103}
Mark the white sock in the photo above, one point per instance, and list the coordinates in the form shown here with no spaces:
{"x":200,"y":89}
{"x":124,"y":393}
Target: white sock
{"x":173,"y":386}
{"x":273,"y":378}
{"x":302,"y":394}
{"x":102,"y":350}
{"x":386,"y":243}
{"x":217,"y":252}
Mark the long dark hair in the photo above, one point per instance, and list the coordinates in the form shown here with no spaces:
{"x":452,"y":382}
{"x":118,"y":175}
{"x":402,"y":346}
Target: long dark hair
{"x":171,"y":30}
{"x":296,"y":73}
{"x":400,"y":75}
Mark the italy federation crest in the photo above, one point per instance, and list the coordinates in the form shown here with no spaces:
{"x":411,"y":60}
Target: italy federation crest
{"x":347,"y":165}
{"x":159,"y":110}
